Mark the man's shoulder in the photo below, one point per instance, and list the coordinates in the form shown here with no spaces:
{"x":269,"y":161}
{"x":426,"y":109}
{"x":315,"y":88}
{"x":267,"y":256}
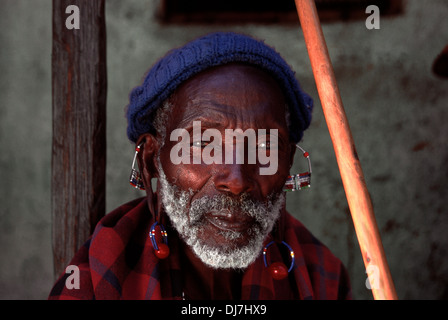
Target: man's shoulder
{"x":301,"y":231}
{"x":104,"y":255}
{"x":125,"y":224}
{"x":310,"y":245}
{"x":324,"y":268}
{"x":133,"y":206}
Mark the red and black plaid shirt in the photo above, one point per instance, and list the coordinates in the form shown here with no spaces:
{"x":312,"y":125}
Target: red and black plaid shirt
{"x":118,"y":262}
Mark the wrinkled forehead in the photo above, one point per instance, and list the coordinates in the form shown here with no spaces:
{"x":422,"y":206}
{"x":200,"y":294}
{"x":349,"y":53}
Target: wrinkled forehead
{"x":232,"y":95}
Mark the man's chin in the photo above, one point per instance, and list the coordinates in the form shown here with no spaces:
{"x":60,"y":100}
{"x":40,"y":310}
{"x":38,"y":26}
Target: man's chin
{"x":224,"y":239}
{"x":223,"y":253}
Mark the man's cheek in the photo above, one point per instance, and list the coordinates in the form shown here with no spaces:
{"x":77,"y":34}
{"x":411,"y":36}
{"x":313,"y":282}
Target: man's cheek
{"x":186,"y":176}
{"x":192,"y":177}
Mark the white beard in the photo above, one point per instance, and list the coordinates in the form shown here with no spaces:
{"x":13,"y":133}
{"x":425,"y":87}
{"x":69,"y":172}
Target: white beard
{"x":189,"y":221}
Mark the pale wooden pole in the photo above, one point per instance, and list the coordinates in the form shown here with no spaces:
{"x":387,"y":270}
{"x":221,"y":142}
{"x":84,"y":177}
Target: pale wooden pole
{"x":349,"y":165}
{"x":79,"y":88}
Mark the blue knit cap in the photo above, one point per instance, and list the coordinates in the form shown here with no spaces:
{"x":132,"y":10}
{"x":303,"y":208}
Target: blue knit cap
{"x":212,"y":50}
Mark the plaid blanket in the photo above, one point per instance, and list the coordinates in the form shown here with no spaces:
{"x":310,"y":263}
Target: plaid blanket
{"x":118,"y":262}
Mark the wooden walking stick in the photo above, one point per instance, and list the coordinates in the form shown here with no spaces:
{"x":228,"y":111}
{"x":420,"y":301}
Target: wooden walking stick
{"x":349,"y":165}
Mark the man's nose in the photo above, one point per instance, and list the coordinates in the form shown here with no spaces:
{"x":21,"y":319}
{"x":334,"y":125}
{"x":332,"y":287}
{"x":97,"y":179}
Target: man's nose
{"x":234,"y":178}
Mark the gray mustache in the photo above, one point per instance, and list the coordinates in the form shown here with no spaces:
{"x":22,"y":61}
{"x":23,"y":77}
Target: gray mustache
{"x":225,"y":204}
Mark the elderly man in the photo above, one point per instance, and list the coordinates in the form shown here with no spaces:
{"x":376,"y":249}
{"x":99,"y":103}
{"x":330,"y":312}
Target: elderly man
{"x":216,"y":122}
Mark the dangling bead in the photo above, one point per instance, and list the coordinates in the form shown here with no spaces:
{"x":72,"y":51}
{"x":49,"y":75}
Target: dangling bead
{"x":278,"y":270}
{"x":163,"y":252}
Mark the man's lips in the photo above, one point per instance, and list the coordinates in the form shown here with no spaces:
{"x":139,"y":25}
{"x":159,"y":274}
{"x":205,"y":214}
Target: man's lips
{"x":229,"y":221}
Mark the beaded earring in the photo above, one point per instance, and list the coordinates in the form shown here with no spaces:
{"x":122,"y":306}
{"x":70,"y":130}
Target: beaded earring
{"x":136,"y":178}
{"x":162,"y":250}
{"x":301,"y":180}
{"x":278,"y":270}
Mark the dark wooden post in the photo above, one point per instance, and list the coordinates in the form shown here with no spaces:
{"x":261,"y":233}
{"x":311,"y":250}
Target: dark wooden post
{"x":79,"y":86}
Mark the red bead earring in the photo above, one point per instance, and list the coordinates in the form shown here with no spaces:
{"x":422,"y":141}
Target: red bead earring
{"x":162,"y":250}
{"x":278,"y":270}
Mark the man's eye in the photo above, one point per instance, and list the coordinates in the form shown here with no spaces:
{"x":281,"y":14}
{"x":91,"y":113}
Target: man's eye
{"x":199,"y":144}
{"x":264,"y":145}
{"x":268,"y":146}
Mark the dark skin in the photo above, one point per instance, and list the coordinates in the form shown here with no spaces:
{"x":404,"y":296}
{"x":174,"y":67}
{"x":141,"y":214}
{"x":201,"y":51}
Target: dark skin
{"x":225,"y":97}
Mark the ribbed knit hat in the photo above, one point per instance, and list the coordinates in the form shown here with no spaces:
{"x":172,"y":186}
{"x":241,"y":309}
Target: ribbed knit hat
{"x":212,"y":50}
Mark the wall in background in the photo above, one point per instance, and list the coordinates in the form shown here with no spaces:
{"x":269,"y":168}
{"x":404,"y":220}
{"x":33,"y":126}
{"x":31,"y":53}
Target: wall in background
{"x":395,"y":105}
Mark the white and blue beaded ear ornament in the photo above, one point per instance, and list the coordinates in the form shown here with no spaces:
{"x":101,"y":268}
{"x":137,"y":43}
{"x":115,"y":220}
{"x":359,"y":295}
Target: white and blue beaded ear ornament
{"x":301,"y":180}
{"x":136,"y":178}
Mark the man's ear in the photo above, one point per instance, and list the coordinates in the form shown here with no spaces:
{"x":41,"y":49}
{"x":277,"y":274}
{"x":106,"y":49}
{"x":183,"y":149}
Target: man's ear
{"x":147,"y":158}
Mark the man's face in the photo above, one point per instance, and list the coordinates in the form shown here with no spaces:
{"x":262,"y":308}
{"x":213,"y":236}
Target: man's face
{"x":224,"y":211}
